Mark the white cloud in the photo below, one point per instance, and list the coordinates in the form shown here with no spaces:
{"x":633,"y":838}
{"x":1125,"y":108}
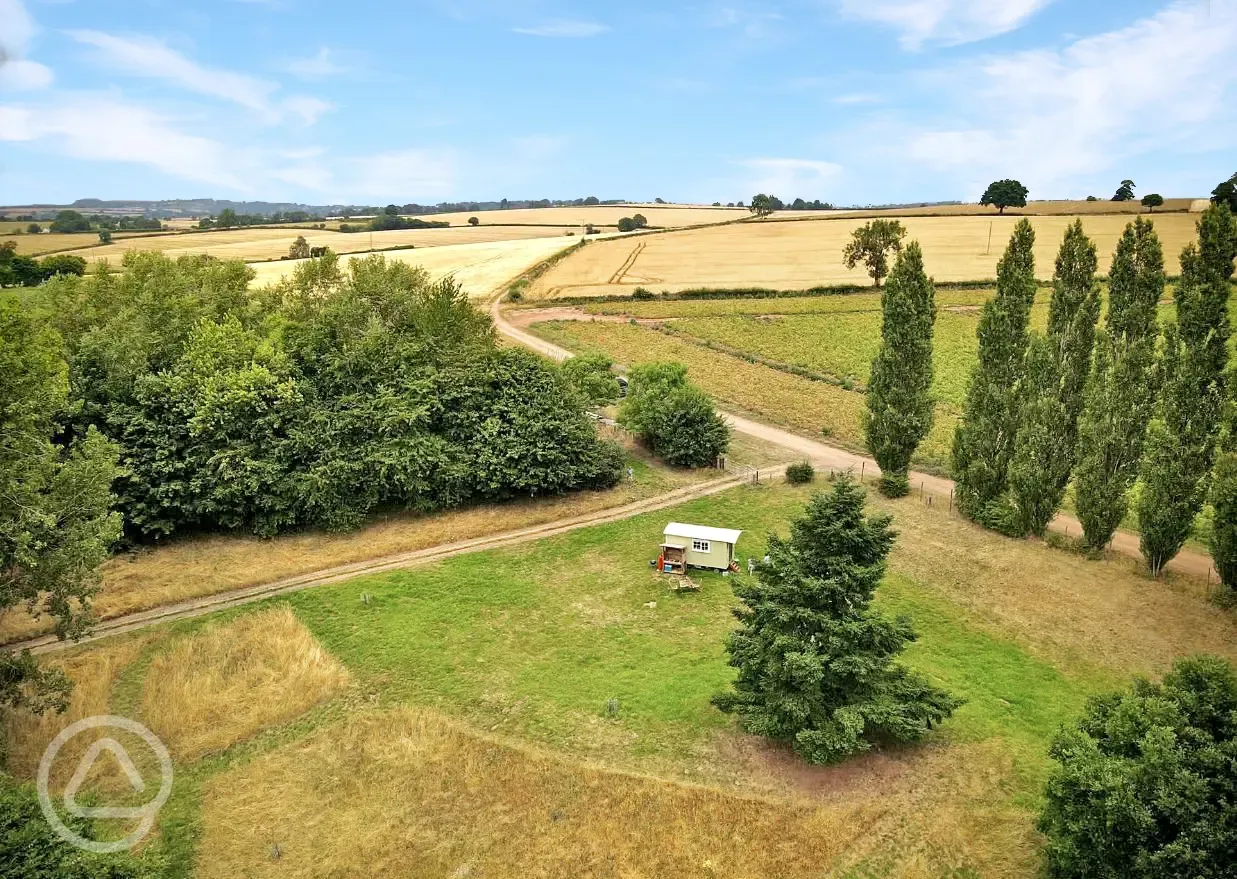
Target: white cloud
{"x":754,"y":23}
{"x":856,"y":98}
{"x":567,"y":29}
{"x":949,"y":22}
{"x":790,"y":178}
{"x":401,"y":174}
{"x":324,"y":63}
{"x":17,"y":29}
{"x":140,"y":56}
{"x":130,"y":133}
{"x":1052,"y":118}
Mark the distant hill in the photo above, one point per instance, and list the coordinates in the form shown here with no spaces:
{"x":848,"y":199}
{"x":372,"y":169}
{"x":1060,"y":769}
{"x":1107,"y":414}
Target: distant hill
{"x":207,"y":207}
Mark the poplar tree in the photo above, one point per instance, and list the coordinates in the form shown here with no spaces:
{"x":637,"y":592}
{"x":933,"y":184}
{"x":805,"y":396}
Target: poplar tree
{"x":1056,"y":373}
{"x":1120,"y":394}
{"x":984,"y":439}
{"x":1181,"y":442}
{"x":815,"y":662}
{"x":899,"y":399}
{"x":1224,"y":479}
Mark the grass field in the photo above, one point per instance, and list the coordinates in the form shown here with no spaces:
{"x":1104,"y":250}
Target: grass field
{"x":476,"y":738}
{"x":206,"y":565}
{"x":799,"y":255}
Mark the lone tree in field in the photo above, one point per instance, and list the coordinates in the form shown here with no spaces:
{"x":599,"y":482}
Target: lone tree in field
{"x":1052,"y":394}
{"x":899,"y":398}
{"x":871,"y":245}
{"x":984,"y":439}
{"x":56,"y":523}
{"x":1144,"y":787}
{"x":1226,"y":193}
{"x":1152,"y":201}
{"x":675,"y":418}
{"x":640,"y":220}
{"x":1004,"y":194}
{"x":1125,"y":192}
{"x":300,"y":248}
{"x":473,"y":221}
{"x":815,"y":663}
{"x":1181,"y":442}
{"x":1120,"y":394}
{"x":105,"y":236}
{"x":762,"y":205}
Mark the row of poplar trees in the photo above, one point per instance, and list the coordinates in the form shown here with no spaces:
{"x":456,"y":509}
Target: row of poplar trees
{"x":1111,"y":407}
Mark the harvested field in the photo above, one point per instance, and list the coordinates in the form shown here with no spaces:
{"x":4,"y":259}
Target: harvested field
{"x":668,"y":216}
{"x":802,"y":254}
{"x":223,"y":683}
{"x":1033,"y":209}
{"x":272,"y":242}
{"x":207,"y":565}
{"x":480,"y":268}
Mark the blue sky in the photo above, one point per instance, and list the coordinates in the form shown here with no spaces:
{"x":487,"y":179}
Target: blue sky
{"x":851,"y":101}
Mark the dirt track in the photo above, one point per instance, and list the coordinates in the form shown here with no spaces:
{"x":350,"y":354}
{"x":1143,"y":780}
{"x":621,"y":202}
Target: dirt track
{"x":826,"y":456}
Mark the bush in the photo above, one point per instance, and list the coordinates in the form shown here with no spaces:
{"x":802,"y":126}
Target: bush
{"x":473,"y":221}
{"x":675,"y":418}
{"x":642,"y":295}
{"x":801,"y":473}
{"x":593,"y":376}
{"x":627,"y":224}
{"x":1144,"y":785}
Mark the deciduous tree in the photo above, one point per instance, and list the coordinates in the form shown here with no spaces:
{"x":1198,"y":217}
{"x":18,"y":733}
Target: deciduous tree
{"x":816,"y":665}
{"x":762,"y":205}
{"x":1226,"y":193}
{"x":1120,"y":393}
{"x":1152,"y":201}
{"x":300,"y":248}
{"x":871,"y":244}
{"x":1182,"y":440}
{"x":899,"y":398}
{"x":1003,"y":194}
{"x":1052,"y":390}
{"x":675,"y":418}
{"x":984,"y":439}
{"x":1125,"y":192}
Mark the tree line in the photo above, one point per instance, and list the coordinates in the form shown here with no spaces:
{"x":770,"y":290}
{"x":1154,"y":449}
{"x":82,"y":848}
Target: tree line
{"x":17,"y":270}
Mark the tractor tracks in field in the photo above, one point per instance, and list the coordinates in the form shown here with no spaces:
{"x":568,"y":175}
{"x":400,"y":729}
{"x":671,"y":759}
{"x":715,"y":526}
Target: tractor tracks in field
{"x":207,"y":604}
{"x":617,"y":277}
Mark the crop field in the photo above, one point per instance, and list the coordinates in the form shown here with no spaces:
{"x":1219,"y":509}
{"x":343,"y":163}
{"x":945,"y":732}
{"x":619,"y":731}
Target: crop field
{"x":669,"y":216}
{"x":543,"y":709}
{"x":802,"y":254}
{"x":480,"y":268}
{"x":1045,"y":208}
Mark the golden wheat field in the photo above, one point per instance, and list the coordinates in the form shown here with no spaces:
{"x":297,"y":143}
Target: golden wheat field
{"x":803,"y":254}
{"x":669,"y":216}
{"x":480,"y":268}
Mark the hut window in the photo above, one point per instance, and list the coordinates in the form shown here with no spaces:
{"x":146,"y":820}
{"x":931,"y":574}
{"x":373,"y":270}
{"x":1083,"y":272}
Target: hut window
{"x":700,"y":545}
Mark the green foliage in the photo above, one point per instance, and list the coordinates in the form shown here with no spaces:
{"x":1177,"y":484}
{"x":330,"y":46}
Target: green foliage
{"x":1152,"y":201}
{"x":871,"y":245}
{"x":1182,"y":441}
{"x":640,"y":220}
{"x":1052,"y":391}
{"x":1226,"y":193}
{"x":473,"y":221}
{"x":592,"y":375}
{"x":1125,"y":192}
{"x":315,"y":402}
{"x":1120,"y":392}
{"x":62,"y":264}
{"x":385,"y":222}
{"x":34,"y":229}
{"x":105,"y":236}
{"x":800,"y":473}
{"x":762,"y":205}
{"x":626,"y":224}
{"x":56,"y":523}
{"x":899,"y":400}
{"x":984,"y":440}
{"x":1004,"y":194}
{"x":815,"y":662}
{"x":675,"y":418}
{"x":26,"y":271}
{"x":1224,"y":522}
{"x":70,"y":221}
{"x":30,"y":849}
{"x":300,"y":248}
{"x":1144,"y":787}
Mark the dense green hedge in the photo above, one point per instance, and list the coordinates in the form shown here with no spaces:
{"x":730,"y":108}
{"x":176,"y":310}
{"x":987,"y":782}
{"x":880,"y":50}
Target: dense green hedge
{"x":314,"y":402}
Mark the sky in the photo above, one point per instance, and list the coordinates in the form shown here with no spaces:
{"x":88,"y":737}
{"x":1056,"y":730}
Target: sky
{"x":849,"y":101}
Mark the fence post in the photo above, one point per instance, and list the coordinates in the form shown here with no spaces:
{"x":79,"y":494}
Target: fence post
{"x":862,"y":464}
{"x":951,"y":500}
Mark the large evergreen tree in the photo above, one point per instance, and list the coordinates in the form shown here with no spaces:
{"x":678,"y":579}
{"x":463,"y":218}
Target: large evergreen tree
{"x":815,"y":662}
{"x":899,"y":399}
{"x":1120,"y":395}
{"x":1056,"y":372}
{"x":984,"y":439}
{"x":1181,"y":442}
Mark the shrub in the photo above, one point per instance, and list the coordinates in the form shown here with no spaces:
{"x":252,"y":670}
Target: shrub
{"x":675,"y":418}
{"x":1144,"y":785}
{"x":473,"y":221}
{"x":642,"y":294}
{"x":626,"y":224}
{"x":800,"y":473}
{"x":593,"y":376}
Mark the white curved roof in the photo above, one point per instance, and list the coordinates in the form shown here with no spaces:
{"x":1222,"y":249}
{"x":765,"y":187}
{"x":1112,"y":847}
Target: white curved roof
{"x":702,"y":532}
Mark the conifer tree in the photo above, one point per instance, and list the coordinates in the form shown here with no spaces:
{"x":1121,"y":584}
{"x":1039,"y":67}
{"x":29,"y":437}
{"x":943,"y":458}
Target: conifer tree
{"x":899,"y":399}
{"x":1056,"y":372}
{"x":1181,"y":442}
{"x":1120,"y":393}
{"x":815,"y":662}
{"x":984,"y":439}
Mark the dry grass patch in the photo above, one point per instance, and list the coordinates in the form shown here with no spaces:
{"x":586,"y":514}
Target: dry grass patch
{"x":408,"y":793}
{"x":207,"y":565}
{"x":93,"y":673}
{"x":220,"y":685}
{"x":799,"y":255}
